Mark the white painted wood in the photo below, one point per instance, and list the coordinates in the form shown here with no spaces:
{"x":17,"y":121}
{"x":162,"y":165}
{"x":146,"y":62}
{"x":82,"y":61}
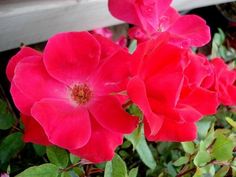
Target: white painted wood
{"x":29,"y":22}
{"x":191,"y":4}
{"x":32,"y":21}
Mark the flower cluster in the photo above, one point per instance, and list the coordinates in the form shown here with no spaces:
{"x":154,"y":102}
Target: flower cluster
{"x":73,"y":94}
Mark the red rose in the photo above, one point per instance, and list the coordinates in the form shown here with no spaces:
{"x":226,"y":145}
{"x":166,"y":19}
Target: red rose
{"x":166,"y":86}
{"x":69,"y":93}
{"x":153,"y":17}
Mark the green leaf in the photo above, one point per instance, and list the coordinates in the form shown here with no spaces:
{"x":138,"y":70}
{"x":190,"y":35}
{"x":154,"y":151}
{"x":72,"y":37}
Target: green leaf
{"x":116,"y":168}
{"x":134,"y":110}
{"x":208,"y":170}
{"x":188,"y":147}
{"x":6,"y":118}
{"x":222,"y":171}
{"x":133,"y":46}
{"x":77,"y":171}
{"x":74,"y":159}
{"x":202,"y":156}
{"x":10,"y":146}
{"x":171,"y":170}
{"x":139,"y":142}
{"x":65,"y":174}
{"x":222,"y":35}
{"x":198,"y":173}
{"x":45,"y":170}
{"x":108,"y":169}
{"x":210,"y":137}
{"x":203,"y":126}
{"x":223,"y":51}
{"x":233,"y":166}
{"x":231,"y":122}
{"x":40,"y":150}
{"x":133,"y":172}
{"x":57,"y":156}
{"x":126,"y":145}
{"x":181,"y":161}
{"x":222,"y":148}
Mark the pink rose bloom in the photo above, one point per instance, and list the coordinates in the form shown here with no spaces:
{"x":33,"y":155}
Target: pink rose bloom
{"x":68,"y":94}
{"x":152,"y":17}
{"x":166,"y":86}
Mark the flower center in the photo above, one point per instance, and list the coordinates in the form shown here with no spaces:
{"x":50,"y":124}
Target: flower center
{"x":81,"y":93}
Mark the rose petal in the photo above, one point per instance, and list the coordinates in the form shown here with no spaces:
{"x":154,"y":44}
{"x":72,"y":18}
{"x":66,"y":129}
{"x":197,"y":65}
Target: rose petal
{"x":33,"y":132}
{"x":149,"y":12}
{"x":197,"y":71}
{"x":66,"y":126}
{"x":22,"y":101}
{"x":23,"y":53}
{"x":108,"y":111}
{"x":71,"y":57}
{"x":137,"y":93}
{"x":169,"y":17}
{"x":140,"y":62}
{"x":196,"y":97}
{"x":188,"y":113}
{"x":112,"y":72}
{"x":185,"y":35}
{"x":165,"y":87}
{"x":172,"y":131}
{"x":124,"y":10}
{"x":101,"y":145}
{"x":162,"y":60}
{"x":108,"y":47}
{"x":32,"y":80}
{"x":232,"y":92}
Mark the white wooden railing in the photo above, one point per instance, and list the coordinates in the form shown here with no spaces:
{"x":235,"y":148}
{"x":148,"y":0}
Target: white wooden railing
{"x":32,"y":21}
